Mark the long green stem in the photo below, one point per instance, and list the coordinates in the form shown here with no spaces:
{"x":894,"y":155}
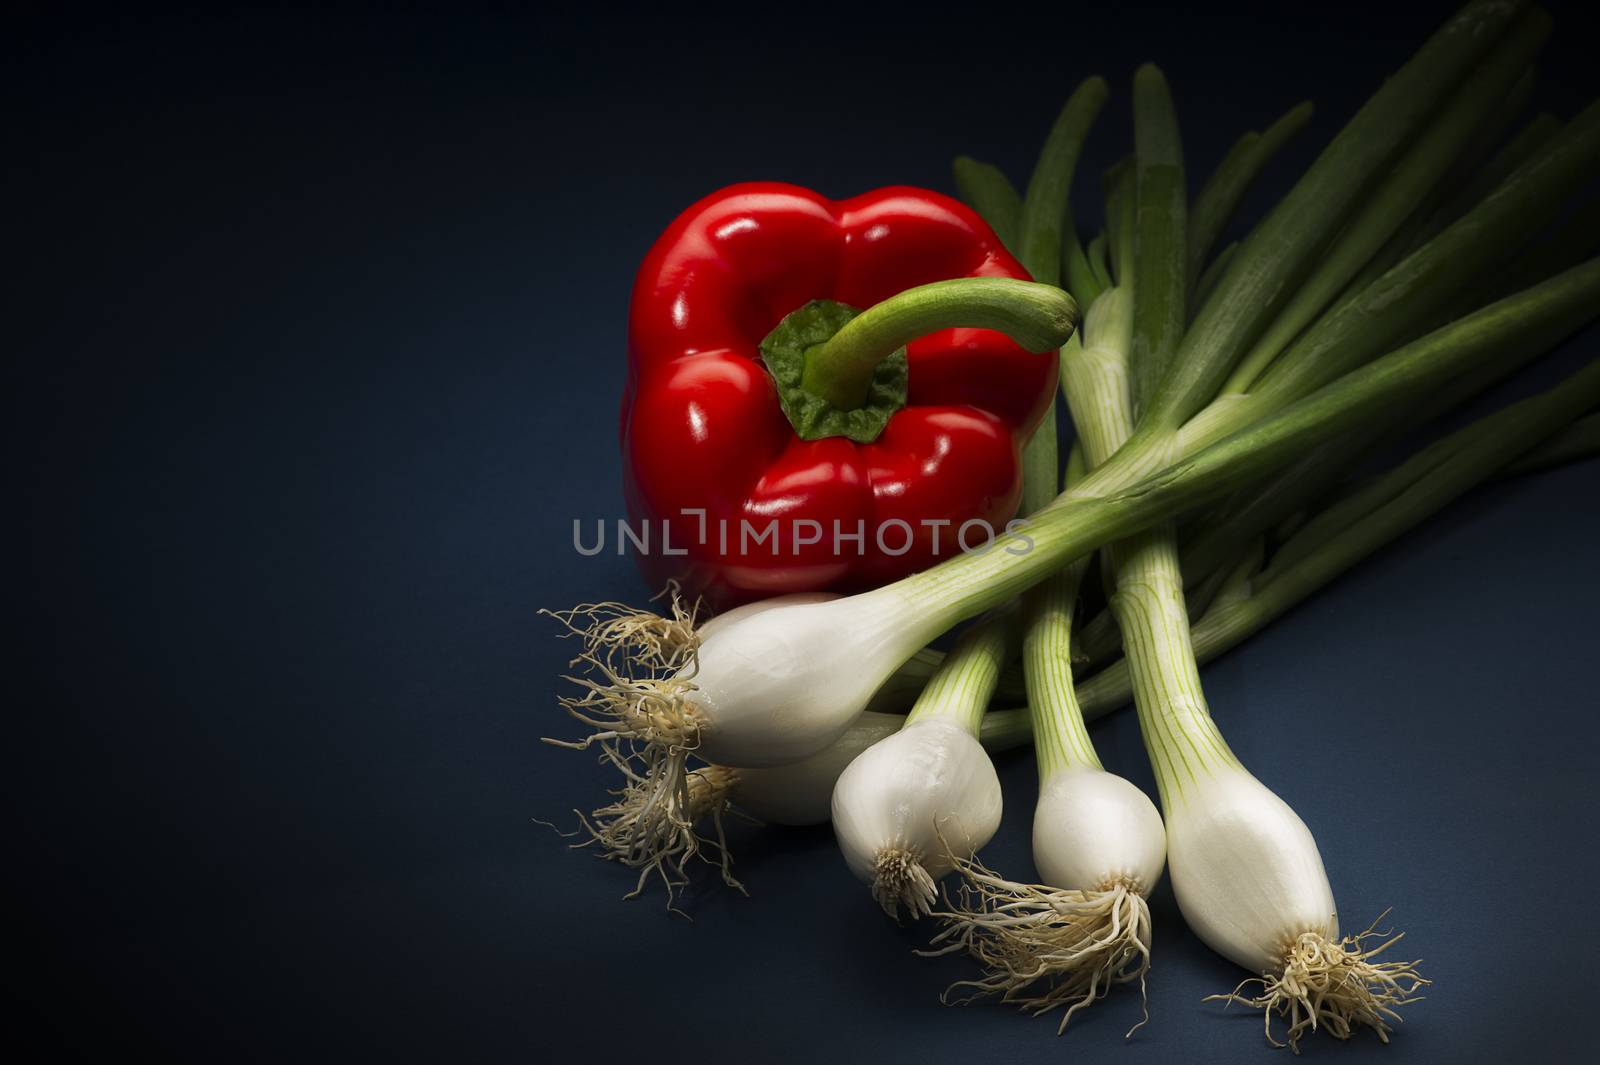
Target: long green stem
{"x":1412,"y":295}
{"x":989,"y":192}
{"x":1099,"y":267}
{"x":1207,"y":561}
{"x":1354,"y":527}
{"x":1160,"y":225}
{"x":1281,"y":249}
{"x":1475,"y":165}
{"x":1148,"y":601}
{"x":1398,"y":196}
{"x":960,"y":688}
{"x":1227,"y":187}
{"x":1081,"y":273}
{"x":1094,"y":376}
{"x":1061,"y":736}
{"x":911,"y":679}
{"x":1486,"y":142}
{"x":1045,"y":226}
{"x":1006,"y":730}
{"x":1284,"y":247}
{"x":1207,"y":284}
{"x":1051,"y":248}
{"x":1044,"y":207}
{"x":1484,"y":442}
{"x":1539,"y":131}
{"x":1038,"y":317}
{"x":1578,"y":441}
{"x":1575,"y":239}
{"x":1121,"y":223}
{"x":1085,"y":517}
{"x":1217,"y":548}
{"x":1179,"y":735}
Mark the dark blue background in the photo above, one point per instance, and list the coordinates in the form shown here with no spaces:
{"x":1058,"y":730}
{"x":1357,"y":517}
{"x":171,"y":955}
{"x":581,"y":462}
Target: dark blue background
{"x":320,"y":319}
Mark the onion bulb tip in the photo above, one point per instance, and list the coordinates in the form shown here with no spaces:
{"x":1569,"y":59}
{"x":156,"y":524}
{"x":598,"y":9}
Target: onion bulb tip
{"x":899,"y":881}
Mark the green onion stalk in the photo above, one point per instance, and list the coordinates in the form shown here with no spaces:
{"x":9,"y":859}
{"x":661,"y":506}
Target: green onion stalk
{"x":1098,"y":841}
{"x":1227,"y":187}
{"x":1245,"y":869}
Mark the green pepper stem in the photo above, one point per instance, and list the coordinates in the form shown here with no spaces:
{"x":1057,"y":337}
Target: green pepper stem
{"x":1038,"y":317}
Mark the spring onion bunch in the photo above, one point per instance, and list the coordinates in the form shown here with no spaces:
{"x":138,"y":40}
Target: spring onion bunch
{"x":1233,"y":390}
{"x":781,"y":684}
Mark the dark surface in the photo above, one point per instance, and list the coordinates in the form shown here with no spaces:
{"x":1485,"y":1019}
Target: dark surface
{"x":321,"y":320}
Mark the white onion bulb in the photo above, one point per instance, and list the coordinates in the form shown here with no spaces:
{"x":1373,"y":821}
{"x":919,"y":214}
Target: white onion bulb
{"x":909,"y":800}
{"x":1246,"y":870}
{"x":801,"y":793}
{"x":1093,"y":830}
{"x":758,"y":698}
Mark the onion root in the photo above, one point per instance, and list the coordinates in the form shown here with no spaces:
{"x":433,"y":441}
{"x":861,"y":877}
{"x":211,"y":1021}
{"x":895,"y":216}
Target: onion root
{"x":1045,"y":948}
{"x":636,"y":671}
{"x":1334,"y":987}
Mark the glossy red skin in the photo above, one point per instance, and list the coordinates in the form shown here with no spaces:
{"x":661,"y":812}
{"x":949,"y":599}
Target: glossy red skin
{"x":701,"y":423}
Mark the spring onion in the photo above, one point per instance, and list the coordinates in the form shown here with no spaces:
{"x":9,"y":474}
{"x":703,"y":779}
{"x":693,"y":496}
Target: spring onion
{"x":1245,"y":870}
{"x":1098,"y":842}
{"x":911,"y":805}
{"x":1352,"y":307}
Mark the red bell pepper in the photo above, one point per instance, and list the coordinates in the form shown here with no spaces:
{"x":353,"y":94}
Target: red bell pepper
{"x":730,"y":311}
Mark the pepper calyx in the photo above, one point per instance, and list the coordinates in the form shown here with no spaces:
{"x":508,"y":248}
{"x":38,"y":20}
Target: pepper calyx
{"x":813,"y":416}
